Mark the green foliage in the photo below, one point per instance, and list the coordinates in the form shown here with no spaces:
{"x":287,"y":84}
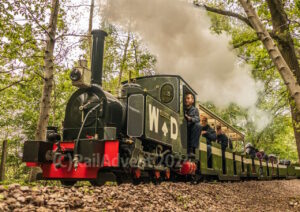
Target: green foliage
{"x":22,"y":36}
{"x":22,"y":32}
{"x":278,"y":137}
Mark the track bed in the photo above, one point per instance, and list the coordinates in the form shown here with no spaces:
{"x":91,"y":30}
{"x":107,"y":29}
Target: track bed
{"x":279,"y":195}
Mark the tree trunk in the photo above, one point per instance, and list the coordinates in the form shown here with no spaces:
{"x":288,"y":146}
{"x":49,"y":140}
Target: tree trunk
{"x":286,"y":46}
{"x":90,"y":28}
{"x":283,"y":36}
{"x":123,"y":60}
{"x":137,"y":64}
{"x":278,"y":60}
{"x":54,"y":103}
{"x":48,"y":74}
{"x":45,"y":103}
{"x":3,"y":160}
{"x":296,"y":125}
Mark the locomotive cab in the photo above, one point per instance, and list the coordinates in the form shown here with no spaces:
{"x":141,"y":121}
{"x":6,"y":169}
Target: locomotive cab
{"x":160,"y":98}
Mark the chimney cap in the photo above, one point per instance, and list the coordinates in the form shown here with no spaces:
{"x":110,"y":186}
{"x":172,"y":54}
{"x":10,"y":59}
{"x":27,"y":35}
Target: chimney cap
{"x":99,"y":32}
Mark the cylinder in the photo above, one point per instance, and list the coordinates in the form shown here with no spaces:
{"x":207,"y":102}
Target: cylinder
{"x":97,"y":56}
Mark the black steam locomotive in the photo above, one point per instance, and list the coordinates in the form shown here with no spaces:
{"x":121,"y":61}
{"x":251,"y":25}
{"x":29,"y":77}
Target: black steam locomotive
{"x":141,"y":134}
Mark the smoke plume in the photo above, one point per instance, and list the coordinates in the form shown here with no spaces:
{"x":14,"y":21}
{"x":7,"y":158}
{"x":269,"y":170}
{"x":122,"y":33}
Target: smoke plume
{"x":179,"y":35}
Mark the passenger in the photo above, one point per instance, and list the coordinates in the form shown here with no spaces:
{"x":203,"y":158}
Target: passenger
{"x":250,"y":150}
{"x":193,"y":123}
{"x":207,"y":132}
{"x":266,"y":157}
{"x":230,"y":144}
{"x":223,"y":140}
{"x":260,"y":155}
{"x":210,"y":135}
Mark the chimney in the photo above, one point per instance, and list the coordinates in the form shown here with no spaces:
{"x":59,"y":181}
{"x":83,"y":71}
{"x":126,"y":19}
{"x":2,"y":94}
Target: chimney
{"x":97,"y":56}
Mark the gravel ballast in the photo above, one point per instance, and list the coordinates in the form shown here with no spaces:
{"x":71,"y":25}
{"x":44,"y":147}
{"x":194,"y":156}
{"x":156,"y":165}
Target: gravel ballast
{"x":280,"y":195}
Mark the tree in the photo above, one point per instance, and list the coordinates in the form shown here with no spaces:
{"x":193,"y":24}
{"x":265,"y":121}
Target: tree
{"x":283,"y":68}
{"x":124,"y":59}
{"x":45,"y":103}
{"x":283,"y":58}
{"x":91,"y":27}
{"x":286,"y":45}
{"x":23,"y":31}
{"x":3,"y":160}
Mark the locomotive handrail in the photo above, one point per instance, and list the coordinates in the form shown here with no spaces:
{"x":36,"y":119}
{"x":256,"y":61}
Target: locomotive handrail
{"x":210,"y":113}
{"x":75,"y":160}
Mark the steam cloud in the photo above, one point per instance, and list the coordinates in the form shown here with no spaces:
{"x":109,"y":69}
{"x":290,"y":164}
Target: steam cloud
{"x":179,"y":35}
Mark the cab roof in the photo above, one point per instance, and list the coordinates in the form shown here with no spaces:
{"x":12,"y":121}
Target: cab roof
{"x":165,"y":75}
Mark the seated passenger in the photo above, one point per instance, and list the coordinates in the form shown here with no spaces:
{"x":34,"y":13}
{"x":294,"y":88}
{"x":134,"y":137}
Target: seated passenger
{"x":230,"y":144}
{"x":222,"y":138}
{"x":250,"y":150}
{"x":266,"y":157}
{"x":193,"y":123}
{"x":285,"y":162}
{"x":260,"y":155}
{"x":273,"y":161}
{"x":207,"y":132}
{"x":210,"y":135}
{"x":272,"y":158}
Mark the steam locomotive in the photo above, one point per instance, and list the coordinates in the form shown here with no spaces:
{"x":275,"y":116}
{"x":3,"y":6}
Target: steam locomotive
{"x":142,"y":134}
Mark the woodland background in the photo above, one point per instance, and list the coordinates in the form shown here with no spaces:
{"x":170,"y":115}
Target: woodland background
{"x":24,"y":28}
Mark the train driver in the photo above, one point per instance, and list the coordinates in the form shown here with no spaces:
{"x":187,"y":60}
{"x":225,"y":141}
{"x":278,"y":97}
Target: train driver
{"x":193,"y":124}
